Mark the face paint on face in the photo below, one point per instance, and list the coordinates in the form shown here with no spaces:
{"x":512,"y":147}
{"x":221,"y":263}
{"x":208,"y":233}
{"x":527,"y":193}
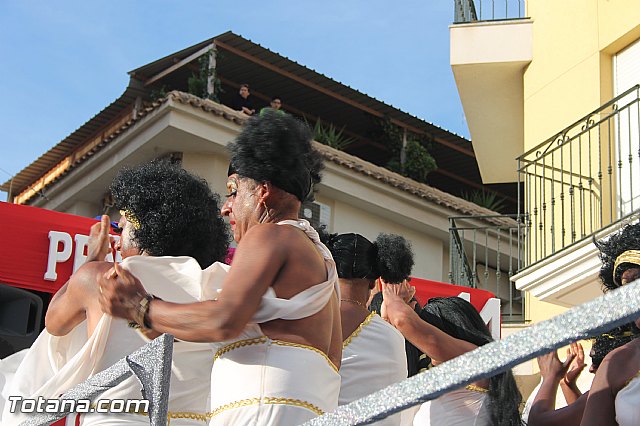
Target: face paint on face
{"x":125,"y":244}
{"x":240,"y":205}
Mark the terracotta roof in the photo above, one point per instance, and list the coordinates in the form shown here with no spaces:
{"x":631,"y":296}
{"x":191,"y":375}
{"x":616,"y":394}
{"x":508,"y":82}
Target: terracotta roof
{"x":341,"y":158}
{"x":310,"y":91}
{"x":91,"y":129}
{"x":426,"y":192}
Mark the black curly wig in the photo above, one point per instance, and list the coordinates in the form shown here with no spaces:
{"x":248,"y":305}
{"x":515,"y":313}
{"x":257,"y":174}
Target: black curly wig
{"x":458,"y":318}
{"x":277,"y":148}
{"x":606,"y":342}
{"x":178,"y":214}
{"x":389,"y":257}
{"x":628,"y":238}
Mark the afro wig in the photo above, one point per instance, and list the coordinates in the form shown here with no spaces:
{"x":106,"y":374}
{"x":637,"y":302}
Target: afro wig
{"x":628,"y":238}
{"x":178,"y":215}
{"x":606,"y":342}
{"x":277,"y":148}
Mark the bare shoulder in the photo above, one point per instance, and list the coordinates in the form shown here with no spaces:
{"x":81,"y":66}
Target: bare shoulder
{"x":85,"y":276}
{"x":280,"y":237}
{"x":621,"y":364}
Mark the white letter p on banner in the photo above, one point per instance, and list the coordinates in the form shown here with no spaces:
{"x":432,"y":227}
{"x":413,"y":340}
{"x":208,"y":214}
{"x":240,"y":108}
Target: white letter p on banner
{"x":56,"y":256}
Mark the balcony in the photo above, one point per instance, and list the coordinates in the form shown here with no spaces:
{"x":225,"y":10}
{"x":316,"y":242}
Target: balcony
{"x":487,"y":10}
{"x":577,"y":186}
{"x":582,"y":179}
{"x":491,"y":46}
{"x":485,"y":252}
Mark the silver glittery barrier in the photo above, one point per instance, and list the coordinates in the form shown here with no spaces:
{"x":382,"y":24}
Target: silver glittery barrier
{"x":602,"y":314}
{"x":151,"y":364}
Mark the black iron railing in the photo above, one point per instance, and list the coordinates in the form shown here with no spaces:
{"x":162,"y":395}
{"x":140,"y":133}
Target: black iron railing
{"x":485,"y":251}
{"x":487,"y":10}
{"x":581,"y":179}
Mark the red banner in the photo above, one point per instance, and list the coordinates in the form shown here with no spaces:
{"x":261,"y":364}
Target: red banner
{"x":426,"y":289}
{"x":40,"y":247}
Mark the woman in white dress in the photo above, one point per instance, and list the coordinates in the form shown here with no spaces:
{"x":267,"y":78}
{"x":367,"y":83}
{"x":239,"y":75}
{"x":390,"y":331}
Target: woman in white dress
{"x":373,"y":353}
{"x":275,"y":323}
{"x":166,"y":212}
{"x":446,"y":328}
{"x":614,"y":398}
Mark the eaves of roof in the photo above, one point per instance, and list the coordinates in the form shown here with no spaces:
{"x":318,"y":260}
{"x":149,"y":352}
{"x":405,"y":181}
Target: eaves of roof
{"x":91,"y":129}
{"x":355,"y":164}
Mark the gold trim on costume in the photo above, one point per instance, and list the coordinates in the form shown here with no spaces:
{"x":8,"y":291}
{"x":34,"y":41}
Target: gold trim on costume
{"x":476,"y":388}
{"x":264,"y":339}
{"x":358,"y":330}
{"x":629,"y":256}
{"x":239,"y":344}
{"x":131,"y":218}
{"x":266,"y":400}
{"x":311,"y":348}
{"x":203,"y":417}
{"x":615,"y":336}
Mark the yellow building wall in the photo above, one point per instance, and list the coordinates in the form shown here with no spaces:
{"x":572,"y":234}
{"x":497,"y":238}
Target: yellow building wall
{"x":571,"y":71}
{"x":537,"y":310}
{"x":571,"y":75}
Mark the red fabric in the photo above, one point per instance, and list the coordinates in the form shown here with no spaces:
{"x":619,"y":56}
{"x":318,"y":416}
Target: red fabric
{"x":426,"y":289}
{"x":25,"y":249}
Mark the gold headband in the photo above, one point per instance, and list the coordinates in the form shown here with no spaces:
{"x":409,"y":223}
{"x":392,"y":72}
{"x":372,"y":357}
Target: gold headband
{"x":131,"y":218}
{"x":616,"y":336}
{"x":629,"y":256}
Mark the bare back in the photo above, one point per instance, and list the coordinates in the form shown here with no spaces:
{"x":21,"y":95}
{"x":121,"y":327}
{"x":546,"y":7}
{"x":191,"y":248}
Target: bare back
{"x":303,"y":268}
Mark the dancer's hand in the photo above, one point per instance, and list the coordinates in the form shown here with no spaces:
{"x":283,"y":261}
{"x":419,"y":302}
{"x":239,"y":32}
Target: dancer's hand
{"x":100,"y":242}
{"x":577,"y":365}
{"x":394,"y":299}
{"x":551,"y":367}
{"x":120,"y":292}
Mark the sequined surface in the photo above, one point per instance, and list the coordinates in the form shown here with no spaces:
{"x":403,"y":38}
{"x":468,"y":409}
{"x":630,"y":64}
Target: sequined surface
{"x":608,"y":311}
{"x":152,"y":365}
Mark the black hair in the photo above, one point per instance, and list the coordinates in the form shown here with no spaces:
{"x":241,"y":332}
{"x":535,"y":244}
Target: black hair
{"x":177,"y":212}
{"x":273,"y":98}
{"x":277,"y":148}
{"x":458,"y":318}
{"x":606,"y":342}
{"x":389,"y":257}
{"x":628,"y":238}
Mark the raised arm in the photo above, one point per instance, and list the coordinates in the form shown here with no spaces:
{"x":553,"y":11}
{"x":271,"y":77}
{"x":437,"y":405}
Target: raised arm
{"x":68,"y":306}
{"x":429,"y":339}
{"x":568,"y":383}
{"x":256,"y":264}
{"x":543,"y":410}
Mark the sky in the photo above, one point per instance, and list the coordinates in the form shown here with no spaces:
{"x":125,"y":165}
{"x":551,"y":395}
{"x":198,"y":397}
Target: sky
{"x":63,"y":61}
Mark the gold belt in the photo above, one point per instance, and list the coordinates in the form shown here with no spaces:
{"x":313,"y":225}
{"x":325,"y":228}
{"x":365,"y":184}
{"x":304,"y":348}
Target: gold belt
{"x":263,"y":340}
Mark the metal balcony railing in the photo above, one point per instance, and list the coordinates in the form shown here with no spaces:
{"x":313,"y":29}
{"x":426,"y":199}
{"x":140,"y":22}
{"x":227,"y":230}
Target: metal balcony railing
{"x":581,"y":179}
{"x":487,"y":10}
{"x":485,"y":251}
